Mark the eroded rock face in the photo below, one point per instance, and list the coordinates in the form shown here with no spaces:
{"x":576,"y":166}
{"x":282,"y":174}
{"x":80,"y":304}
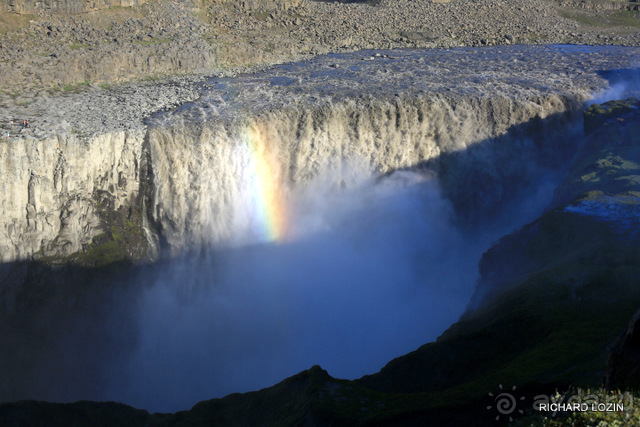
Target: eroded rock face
{"x":597,"y":201}
{"x":80,"y":161}
{"x":50,"y":203}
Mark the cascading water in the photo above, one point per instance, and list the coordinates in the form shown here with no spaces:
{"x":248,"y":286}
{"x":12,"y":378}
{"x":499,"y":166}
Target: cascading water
{"x":276,"y":131}
{"x":230,"y":182}
{"x":306,"y":224}
{"x":332,"y":212}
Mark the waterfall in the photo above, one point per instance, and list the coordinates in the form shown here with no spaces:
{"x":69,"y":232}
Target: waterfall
{"x":219,"y":181}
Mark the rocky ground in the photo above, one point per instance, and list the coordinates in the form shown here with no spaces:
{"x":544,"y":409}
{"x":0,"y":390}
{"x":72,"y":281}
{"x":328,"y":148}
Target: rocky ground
{"x":46,"y":54}
{"x":95,"y":110}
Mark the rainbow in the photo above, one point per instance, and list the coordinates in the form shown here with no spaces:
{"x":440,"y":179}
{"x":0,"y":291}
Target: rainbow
{"x":267,"y":189}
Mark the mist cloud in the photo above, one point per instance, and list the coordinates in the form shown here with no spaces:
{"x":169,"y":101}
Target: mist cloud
{"x":376,"y":271}
{"x":623,"y":84}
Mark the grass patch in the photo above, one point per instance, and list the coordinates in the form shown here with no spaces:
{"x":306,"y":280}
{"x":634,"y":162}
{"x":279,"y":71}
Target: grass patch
{"x":626,"y":18}
{"x":123,"y":240}
{"x":535,"y":38}
{"x":104,"y":18}
{"x":101,"y":252}
{"x":260,"y":15}
{"x":75,"y":87}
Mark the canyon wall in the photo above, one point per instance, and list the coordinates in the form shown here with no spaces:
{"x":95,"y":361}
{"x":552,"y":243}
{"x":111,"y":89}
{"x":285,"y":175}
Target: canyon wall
{"x":54,"y":189}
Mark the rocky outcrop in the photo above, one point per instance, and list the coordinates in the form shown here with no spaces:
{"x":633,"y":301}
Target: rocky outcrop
{"x":307,"y":398}
{"x":77,"y":49}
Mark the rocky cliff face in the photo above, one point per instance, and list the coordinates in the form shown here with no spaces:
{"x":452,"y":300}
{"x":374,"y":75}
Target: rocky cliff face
{"x":79,"y":163}
{"x":54,"y":189}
